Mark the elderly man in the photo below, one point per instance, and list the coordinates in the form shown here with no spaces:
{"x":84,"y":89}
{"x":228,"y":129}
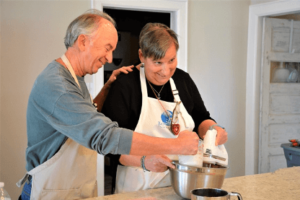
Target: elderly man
{"x":64,"y":129}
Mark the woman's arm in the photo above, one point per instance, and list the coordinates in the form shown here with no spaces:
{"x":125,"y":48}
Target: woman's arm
{"x":221,"y":133}
{"x":193,"y":101}
{"x":154,"y":163}
{"x":101,"y":97}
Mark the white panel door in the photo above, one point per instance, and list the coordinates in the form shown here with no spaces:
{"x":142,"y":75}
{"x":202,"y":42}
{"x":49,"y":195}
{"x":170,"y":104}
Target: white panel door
{"x":280,"y":102}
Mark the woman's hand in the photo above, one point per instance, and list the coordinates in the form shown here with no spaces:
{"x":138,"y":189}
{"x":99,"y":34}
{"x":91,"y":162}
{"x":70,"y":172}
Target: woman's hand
{"x":221,"y":133}
{"x":100,"y":98}
{"x":221,"y":136}
{"x":115,"y":73}
{"x":158,"y":163}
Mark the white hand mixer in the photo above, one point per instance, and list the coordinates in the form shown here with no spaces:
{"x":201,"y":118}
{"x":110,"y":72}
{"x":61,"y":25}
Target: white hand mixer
{"x":212,"y":154}
{"x":208,"y":153}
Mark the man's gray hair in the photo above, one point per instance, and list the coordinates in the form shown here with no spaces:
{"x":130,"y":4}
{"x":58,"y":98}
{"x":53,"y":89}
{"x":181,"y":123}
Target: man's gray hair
{"x":86,"y":24}
{"x":155,"y":39}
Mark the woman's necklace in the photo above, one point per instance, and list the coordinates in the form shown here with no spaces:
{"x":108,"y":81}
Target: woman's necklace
{"x":154,"y":90}
{"x":175,"y":127}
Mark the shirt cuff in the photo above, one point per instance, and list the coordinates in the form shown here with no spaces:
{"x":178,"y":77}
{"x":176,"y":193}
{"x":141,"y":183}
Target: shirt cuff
{"x":125,"y":141}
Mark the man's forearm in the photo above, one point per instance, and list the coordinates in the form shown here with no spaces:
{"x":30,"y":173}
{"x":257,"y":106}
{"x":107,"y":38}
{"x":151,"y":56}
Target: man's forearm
{"x":185,"y":144}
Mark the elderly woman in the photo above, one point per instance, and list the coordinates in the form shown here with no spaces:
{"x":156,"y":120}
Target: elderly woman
{"x":156,"y":99}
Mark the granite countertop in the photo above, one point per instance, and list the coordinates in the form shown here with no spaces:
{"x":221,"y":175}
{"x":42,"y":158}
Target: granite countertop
{"x":283,"y":184}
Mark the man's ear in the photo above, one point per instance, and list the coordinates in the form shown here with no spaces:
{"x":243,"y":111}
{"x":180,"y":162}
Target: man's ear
{"x":82,"y":42}
{"x":141,"y":56}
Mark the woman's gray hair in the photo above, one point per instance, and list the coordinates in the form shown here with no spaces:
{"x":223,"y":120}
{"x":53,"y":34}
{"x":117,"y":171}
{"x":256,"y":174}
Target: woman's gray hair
{"x":155,"y":39}
{"x":86,"y":24}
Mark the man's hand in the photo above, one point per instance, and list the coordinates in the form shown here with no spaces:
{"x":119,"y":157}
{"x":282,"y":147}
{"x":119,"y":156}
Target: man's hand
{"x":188,"y":142}
{"x":158,"y":163}
{"x":125,"y":70}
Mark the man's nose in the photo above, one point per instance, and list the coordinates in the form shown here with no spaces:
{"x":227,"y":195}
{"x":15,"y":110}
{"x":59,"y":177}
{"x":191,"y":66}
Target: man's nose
{"x":109,"y":57}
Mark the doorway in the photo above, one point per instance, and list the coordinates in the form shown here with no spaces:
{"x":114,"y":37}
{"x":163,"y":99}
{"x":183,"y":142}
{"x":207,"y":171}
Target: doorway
{"x":178,"y":23}
{"x":129,"y":25}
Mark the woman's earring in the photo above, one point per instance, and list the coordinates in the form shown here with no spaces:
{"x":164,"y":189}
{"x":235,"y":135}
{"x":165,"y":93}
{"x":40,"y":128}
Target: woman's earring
{"x":142,"y":64}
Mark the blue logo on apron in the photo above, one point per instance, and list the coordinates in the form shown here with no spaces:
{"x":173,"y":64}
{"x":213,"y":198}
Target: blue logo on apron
{"x":166,"y":119}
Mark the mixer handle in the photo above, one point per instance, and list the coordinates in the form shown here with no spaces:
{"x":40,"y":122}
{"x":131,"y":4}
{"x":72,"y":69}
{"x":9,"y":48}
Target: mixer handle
{"x":212,"y":126}
{"x":239,"y":196}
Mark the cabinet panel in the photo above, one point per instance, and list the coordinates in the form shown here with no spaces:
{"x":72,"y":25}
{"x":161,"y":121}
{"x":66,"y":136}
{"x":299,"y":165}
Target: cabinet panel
{"x":281,"y":39}
{"x":275,"y":150}
{"x":281,"y":133}
{"x":285,"y":36}
{"x":284,"y":104}
{"x":277,"y":162}
{"x":281,"y":88}
{"x":284,"y":119}
{"x":284,"y":57}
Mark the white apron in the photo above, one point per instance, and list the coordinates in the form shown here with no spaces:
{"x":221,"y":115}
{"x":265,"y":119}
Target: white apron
{"x":152,"y":122}
{"x":70,"y":174}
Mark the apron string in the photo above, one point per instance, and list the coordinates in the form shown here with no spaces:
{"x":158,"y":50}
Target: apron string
{"x":70,"y":68}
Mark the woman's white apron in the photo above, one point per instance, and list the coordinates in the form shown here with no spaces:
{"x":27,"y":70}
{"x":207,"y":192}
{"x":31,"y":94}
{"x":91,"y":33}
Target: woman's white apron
{"x":70,"y":174}
{"x":153,"y":122}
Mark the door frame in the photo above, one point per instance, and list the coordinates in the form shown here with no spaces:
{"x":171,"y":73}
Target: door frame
{"x":253,"y":81}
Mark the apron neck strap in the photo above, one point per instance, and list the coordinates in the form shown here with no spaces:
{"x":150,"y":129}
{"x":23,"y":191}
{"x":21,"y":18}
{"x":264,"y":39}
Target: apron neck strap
{"x":174,"y":91}
{"x":70,"y":68}
{"x":144,"y":86}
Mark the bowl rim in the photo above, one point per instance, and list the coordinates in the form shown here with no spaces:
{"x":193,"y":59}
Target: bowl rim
{"x":187,"y":168}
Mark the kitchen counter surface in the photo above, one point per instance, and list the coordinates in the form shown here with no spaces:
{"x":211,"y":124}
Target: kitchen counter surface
{"x":281,"y":185}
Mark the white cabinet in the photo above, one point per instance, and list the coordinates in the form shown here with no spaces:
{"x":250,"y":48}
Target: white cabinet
{"x":280,"y":102}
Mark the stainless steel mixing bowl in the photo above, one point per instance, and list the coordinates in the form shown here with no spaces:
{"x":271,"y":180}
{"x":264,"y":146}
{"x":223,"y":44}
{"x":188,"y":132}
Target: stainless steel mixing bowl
{"x":186,"y":178}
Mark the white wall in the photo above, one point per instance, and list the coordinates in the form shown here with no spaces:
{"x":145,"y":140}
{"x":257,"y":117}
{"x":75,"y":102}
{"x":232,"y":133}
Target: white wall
{"x":217,"y":50}
{"x":0,"y":84}
{"x":32,"y":36}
